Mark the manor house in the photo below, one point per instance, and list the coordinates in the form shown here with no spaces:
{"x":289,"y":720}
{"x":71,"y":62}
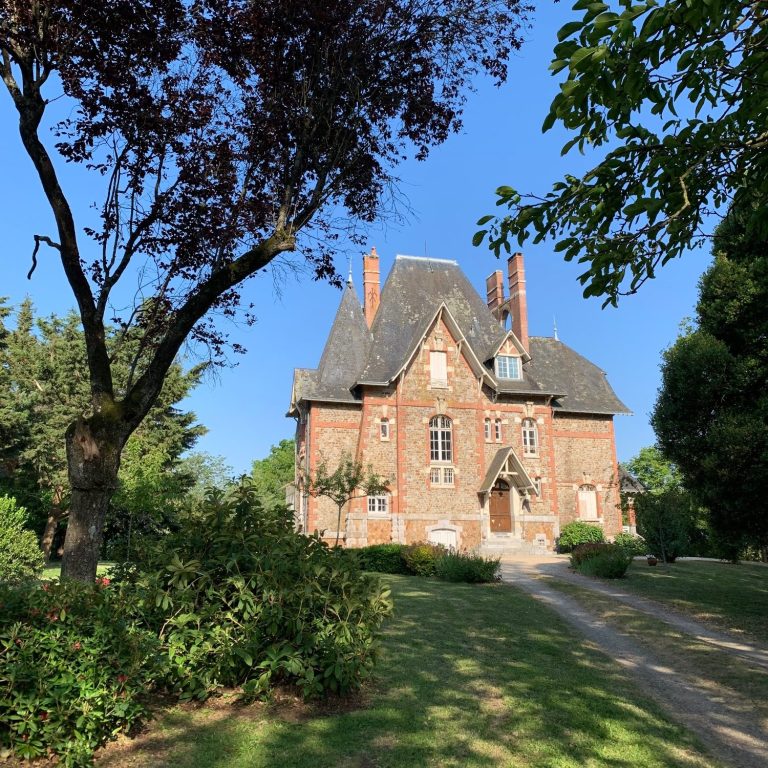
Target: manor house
{"x":490,"y":440}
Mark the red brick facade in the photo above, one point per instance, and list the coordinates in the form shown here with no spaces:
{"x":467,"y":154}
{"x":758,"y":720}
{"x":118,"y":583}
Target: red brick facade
{"x":573,"y":464}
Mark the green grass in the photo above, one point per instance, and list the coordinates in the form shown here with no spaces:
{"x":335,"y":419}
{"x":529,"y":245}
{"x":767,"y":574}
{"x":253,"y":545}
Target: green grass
{"x":469,"y":677}
{"x":732,"y":597}
{"x":53,"y":570}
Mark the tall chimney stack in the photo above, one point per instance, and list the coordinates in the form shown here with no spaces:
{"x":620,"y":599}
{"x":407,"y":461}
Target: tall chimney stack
{"x":518,"y":304}
{"x":494,"y":285}
{"x":371,"y":285}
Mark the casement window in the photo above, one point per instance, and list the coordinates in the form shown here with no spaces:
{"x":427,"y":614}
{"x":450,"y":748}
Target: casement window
{"x":487,"y":430}
{"x":508,"y":367}
{"x":441,"y":439}
{"x":441,"y":476}
{"x":537,"y":486}
{"x":384,"y":429}
{"x":438,"y":369}
{"x":441,"y":450}
{"x":378,"y":506}
{"x":530,"y":438}
{"x":587,"y":501}
{"x":497,"y":430}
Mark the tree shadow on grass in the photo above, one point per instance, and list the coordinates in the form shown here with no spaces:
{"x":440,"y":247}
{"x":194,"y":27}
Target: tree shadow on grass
{"x":476,"y":676}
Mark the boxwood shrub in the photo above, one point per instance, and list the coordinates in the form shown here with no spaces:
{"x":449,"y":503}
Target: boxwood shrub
{"x":421,"y":558}
{"x":382,"y":558}
{"x":575,"y":533}
{"x":605,"y":561}
{"x":466,"y":567}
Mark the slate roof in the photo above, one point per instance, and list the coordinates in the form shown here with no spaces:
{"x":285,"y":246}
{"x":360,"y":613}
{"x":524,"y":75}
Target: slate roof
{"x":628,"y":483}
{"x":410,"y":299}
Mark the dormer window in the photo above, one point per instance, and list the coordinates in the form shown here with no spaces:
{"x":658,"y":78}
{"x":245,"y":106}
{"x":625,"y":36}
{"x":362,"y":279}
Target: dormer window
{"x":508,"y":367}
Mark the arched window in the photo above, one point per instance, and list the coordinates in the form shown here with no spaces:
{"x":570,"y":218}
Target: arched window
{"x":530,"y":438}
{"x":384,"y":429}
{"x":487,"y":430}
{"x":587,"y":502}
{"x":497,"y":430}
{"x":440,"y":439}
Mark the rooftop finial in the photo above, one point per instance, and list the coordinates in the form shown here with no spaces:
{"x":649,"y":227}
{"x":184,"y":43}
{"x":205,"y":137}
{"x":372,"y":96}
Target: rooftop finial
{"x":554,"y":322}
{"x":349,"y":273}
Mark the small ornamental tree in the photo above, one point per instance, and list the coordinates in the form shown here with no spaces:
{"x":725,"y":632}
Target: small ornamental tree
{"x":219,"y":135}
{"x":350,"y":480}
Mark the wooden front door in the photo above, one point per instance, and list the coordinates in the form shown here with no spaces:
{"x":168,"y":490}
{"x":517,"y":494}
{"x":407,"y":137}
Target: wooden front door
{"x":501,"y":519}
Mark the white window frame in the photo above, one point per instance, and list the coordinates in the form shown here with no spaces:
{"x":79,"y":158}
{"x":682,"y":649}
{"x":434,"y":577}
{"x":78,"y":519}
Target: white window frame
{"x":442,"y":476}
{"x":384,"y":429}
{"x":440,"y":440}
{"x":503,"y":364}
{"x":438,"y":369}
{"x":378,"y":506}
{"x":497,"y":430}
{"x":530,"y":432}
{"x":487,"y":430}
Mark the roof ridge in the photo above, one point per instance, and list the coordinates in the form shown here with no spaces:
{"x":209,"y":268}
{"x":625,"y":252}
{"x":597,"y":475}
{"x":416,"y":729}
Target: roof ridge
{"x":426,"y":258}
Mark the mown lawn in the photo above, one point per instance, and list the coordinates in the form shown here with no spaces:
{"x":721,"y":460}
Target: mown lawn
{"x":469,"y":676}
{"x":53,"y":570}
{"x":733,"y":597}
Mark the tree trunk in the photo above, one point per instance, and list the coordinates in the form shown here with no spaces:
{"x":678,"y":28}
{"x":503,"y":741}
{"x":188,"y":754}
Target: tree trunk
{"x":52,"y":523}
{"x":94,"y":446}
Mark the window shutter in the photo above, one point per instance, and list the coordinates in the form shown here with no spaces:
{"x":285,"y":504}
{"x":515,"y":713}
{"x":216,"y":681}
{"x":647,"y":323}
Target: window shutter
{"x":438,"y":368}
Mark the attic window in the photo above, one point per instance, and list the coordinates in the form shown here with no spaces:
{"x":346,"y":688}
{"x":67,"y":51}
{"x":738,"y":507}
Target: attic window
{"x":508,"y":367}
{"x":438,"y":369}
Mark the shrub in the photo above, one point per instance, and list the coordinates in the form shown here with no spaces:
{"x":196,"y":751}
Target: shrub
{"x":239,"y":598}
{"x":609,"y":563}
{"x":382,"y":558}
{"x":664,"y":520}
{"x":421,"y":558}
{"x":74,"y":670}
{"x":575,"y":533}
{"x":586,"y":551}
{"x":466,"y":567}
{"x":20,"y":555}
{"x":631,"y":544}
{"x":236,"y":598}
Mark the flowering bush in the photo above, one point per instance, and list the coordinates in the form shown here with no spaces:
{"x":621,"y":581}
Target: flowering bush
{"x":74,"y":670}
{"x":237,"y":598}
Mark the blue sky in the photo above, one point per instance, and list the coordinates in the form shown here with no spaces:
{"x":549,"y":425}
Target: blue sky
{"x":501,"y":143}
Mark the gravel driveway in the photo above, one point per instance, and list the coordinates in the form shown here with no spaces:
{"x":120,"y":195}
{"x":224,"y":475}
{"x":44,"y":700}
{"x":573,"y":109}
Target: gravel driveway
{"x":729,"y":728}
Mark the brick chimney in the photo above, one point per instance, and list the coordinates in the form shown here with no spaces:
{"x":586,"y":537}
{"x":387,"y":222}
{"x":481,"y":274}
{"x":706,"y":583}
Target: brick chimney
{"x":518,"y":305}
{"x":371,"y":285}
{"x":494,"y":285}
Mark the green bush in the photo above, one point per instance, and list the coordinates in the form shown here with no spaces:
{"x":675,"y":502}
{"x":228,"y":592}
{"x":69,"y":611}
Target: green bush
{"x":240,"y":598}
{"x":586,"y":551}
{"x":609,"y":563}
{"x":631,"y":544}
{"x":382,"y":558}
{"x":421,"y":558}
{"x":20,"y":555}
{"x":575,"y":533}
{"x":75,"y":669}
{"x":465,"y":567}
{"x":236,"y":598}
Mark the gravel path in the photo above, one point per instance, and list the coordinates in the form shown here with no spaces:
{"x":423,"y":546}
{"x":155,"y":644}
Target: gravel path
{"x":728,"y":728}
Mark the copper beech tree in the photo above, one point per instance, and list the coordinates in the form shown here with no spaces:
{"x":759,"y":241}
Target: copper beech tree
{"x":223,"y":133}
